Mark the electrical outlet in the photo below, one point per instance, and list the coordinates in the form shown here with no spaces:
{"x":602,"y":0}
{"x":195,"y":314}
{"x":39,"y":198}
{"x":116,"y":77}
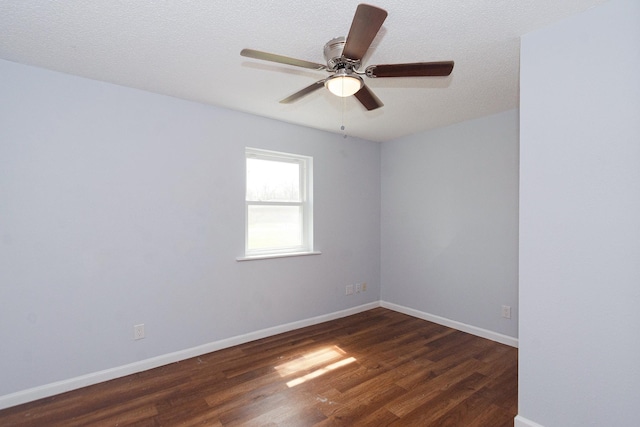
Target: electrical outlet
{"x":364,"y":286}
{"x":506,"y":311}
{"x":358,"y":288}
{"x":138,"y":331}
{"x":349,"y":290}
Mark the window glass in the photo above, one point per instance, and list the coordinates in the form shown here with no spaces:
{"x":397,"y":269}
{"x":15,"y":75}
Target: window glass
{"x":278,"y":203}
{"x":274,"y":226}
{"x":269,"y":180}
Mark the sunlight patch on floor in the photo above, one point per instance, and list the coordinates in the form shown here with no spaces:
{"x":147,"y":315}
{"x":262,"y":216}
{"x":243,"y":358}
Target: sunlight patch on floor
{"x":320,"y":371}
{"x":322,"y":361}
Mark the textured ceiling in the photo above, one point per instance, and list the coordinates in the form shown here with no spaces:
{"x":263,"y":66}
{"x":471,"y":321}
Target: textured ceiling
{"x":191,"y":50}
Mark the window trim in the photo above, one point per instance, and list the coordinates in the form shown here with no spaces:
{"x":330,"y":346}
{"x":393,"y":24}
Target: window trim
{"x":306,"y":204}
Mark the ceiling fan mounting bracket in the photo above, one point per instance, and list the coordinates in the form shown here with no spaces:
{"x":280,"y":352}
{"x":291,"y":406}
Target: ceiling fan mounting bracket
{"x":370,"y":71}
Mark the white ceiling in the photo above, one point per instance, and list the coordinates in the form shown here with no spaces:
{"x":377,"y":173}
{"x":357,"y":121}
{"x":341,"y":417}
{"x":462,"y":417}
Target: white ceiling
{"x":191,"y":50}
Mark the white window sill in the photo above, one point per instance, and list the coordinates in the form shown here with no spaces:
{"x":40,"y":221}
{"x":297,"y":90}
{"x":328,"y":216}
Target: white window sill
{"x":256,"y":257}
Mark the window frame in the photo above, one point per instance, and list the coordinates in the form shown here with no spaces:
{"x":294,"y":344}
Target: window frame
{"x":306,"y":205}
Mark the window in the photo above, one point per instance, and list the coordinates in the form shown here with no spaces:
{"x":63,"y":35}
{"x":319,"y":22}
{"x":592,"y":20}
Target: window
{"x":278,"y":204}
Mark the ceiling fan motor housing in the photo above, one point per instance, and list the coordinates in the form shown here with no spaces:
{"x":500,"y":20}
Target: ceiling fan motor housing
{"x":333,"y":55}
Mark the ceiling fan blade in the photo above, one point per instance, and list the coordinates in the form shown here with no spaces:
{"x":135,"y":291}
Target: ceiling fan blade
{"x":265,"y":56}
{"x":368,"y":98}
{"x":366,"y":24}
{"x":307,"y":90}
{"x":416,"y":69}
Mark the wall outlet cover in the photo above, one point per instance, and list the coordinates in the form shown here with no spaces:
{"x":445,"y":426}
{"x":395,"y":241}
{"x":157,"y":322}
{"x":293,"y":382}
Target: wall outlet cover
{"x":138,"y":331}
{"x":506,"y":311}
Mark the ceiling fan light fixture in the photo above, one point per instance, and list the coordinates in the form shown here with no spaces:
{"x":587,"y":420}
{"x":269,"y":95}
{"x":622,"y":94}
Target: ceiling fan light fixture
{"x":344,"y":83}
{"x":344,"y":59}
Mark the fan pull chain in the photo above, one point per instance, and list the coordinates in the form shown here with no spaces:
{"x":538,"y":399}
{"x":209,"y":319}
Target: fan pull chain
{"x":344,"y":134}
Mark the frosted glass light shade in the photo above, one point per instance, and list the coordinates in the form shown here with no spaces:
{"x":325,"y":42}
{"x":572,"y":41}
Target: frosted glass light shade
{"x":343,"y":84}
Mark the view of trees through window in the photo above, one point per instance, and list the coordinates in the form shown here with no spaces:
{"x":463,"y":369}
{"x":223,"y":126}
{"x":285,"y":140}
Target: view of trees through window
{"x":269,"y":181}
{"x":276,"y":201}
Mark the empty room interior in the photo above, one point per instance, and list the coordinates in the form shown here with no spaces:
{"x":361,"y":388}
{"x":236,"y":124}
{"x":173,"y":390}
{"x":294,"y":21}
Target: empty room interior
{"x":495,"y":201}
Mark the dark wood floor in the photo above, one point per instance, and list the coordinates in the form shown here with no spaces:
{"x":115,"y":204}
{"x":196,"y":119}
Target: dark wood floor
{"x":375,"y":368}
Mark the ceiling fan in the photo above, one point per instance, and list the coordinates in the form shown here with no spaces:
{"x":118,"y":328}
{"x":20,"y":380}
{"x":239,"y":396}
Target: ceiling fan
{"x":344,"y":58}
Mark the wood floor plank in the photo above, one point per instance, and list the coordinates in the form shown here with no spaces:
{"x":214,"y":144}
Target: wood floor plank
{"x":375,"y":368}
{"x":464,"y":413}
{"x":493,"y":416}
{"x":438,"y":404}
{"x":362,"y":405}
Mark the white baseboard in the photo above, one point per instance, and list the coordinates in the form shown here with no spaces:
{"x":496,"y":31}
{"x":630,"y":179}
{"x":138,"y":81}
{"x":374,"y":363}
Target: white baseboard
{"x":473,"y":330}
{"x":58,"y":387}
{"x":523,"y":422}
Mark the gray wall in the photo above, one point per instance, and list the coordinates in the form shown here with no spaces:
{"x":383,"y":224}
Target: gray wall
{"x":120,"y":207}
{"x":580,"y":220}
{"x":450,"y":222}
